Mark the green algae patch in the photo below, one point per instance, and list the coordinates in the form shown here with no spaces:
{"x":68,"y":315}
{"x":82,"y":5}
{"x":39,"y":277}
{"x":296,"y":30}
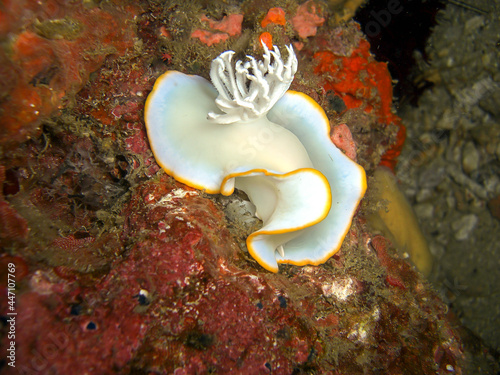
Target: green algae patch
{"x":64,"y":28}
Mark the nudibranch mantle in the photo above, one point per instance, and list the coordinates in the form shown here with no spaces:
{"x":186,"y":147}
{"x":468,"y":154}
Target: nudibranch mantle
{"x":246,"y":131}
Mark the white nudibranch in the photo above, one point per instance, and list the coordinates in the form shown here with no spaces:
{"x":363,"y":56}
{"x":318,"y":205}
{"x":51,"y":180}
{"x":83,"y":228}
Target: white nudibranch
{"x":250,"y":133}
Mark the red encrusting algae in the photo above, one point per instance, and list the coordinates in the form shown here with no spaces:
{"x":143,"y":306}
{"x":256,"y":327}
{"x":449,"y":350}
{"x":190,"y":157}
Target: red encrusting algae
{"x":47,"y":67}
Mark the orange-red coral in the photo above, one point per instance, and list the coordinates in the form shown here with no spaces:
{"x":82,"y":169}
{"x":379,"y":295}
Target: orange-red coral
{"x":274,"y":15}
{"x":362,"y":81}
{"x":356,"y":76}
{"x":267,"y":39}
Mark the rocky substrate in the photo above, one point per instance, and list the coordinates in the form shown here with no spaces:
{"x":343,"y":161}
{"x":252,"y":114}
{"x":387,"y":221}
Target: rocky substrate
{"x":122,"y":270}
{"x":450,"y":166}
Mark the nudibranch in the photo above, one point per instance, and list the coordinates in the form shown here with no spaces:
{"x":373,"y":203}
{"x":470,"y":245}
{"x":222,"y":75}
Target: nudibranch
{"x":246,"y":131}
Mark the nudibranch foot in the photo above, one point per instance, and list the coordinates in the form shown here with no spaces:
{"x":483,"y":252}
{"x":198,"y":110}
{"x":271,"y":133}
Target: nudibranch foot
{"x":286,"y":203}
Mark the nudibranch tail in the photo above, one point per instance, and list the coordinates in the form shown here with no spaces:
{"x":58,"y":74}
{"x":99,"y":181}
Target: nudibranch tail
{"x":304,"y":117}
{"x":286,"y":203}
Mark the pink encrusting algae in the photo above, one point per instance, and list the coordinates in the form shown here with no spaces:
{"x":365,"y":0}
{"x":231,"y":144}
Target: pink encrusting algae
{"x":307,"y":19}
{"x":229,"y":25}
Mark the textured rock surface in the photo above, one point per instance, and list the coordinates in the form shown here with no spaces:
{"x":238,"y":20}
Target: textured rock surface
{"x":451,"y":163}
{"x":123,"y":270}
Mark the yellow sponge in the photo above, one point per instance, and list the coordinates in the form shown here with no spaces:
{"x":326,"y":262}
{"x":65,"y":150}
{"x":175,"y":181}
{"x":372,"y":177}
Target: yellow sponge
{"x":397,"y":221}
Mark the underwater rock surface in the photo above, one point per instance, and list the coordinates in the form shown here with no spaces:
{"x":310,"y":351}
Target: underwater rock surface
{"x":120,"y":269}
{"x":450,"y":171}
